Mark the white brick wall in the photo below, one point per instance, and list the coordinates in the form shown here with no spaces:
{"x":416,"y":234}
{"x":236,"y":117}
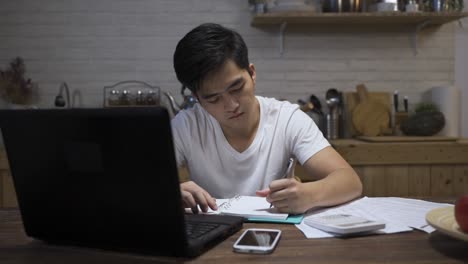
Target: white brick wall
{"x":461,"y":71}
{"x":94,"y":43}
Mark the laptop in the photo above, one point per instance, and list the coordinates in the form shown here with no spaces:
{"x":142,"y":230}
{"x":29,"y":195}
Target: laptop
{"x":104,"y":178}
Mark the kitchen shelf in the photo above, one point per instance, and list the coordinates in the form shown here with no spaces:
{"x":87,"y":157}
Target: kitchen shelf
{"x":417,"y":20}
{"x":433,"y":18}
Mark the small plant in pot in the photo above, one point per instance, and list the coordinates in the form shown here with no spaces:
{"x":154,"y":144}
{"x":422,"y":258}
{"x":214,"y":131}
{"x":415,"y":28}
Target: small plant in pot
{"x":426,"y":120}
{"x":14,"y":87}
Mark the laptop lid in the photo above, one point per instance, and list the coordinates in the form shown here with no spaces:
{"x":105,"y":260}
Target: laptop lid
{"x":98,"y":177}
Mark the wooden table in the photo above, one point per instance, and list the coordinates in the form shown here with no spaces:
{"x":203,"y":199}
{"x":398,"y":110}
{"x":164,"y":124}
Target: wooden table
{"x":411,"y":247}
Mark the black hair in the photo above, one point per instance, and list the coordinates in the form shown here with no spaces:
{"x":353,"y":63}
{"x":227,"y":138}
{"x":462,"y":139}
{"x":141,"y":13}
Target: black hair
{"x":204,"y":50}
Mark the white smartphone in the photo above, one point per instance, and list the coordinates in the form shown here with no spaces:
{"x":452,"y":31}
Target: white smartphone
{"x":343,"y":224}
{"x":257,"y":240}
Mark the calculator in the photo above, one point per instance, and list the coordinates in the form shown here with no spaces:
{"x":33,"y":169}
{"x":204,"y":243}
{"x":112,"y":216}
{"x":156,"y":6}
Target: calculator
{"x":343,"y":224}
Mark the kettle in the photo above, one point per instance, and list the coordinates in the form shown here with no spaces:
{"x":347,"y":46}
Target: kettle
{"x":189,"y":101}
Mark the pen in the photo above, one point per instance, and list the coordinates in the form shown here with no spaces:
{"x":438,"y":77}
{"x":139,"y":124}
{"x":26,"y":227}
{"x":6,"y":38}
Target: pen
{"x":288,"y":173}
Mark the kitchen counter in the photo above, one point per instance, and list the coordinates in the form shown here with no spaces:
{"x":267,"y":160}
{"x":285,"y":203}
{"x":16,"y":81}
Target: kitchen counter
{"x":405,"y":169}
{"x":408,"y":169}
{"x":358,"y":152}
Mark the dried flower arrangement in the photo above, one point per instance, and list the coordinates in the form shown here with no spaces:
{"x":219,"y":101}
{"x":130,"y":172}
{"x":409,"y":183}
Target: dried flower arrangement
{"x":14,"y":87}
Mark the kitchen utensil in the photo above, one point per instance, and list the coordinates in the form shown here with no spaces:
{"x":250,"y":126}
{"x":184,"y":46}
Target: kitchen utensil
{"x":189,"y":101}
{"x":317,"y":105}
{"x":315,"y":113}
{"x":395,"y":100}
{"x":405,"y":103}
{"x":351,"y":100}
{"x":333,"y":100}
{"x":370,"y":118}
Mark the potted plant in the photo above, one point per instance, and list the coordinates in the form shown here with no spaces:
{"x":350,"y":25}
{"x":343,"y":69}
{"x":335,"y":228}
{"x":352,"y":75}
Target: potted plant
{"x":426,"y":120}
{"x":14,"y":87}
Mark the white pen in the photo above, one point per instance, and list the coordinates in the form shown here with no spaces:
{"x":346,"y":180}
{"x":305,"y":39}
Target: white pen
{"x":288,"y":173}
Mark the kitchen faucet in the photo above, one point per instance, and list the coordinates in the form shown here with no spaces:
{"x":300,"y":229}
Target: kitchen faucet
{"x":59,"y":99}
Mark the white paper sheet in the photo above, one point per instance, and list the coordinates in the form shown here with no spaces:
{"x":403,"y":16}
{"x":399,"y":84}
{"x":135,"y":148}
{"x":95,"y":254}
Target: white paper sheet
{"x":399,"y":214}
{"x":248,"y":206}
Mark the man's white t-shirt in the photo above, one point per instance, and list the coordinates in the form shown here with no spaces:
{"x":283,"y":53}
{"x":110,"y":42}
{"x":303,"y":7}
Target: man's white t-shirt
{"x":284,"y":131}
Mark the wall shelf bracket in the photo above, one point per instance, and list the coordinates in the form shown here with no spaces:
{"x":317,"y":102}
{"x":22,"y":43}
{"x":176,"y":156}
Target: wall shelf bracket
{"x":414,"y":38}
{"x":281,"y":37}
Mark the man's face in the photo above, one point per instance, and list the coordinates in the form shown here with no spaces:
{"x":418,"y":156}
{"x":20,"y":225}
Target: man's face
{"x":228,"y":95}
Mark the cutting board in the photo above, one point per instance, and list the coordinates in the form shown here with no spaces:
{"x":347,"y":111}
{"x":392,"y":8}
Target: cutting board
{"x":352,"y":99}
{"x":370,"y":117}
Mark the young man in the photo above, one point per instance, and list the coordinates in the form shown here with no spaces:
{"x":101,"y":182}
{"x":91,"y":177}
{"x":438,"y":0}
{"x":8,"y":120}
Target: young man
{"x":234,"y":142}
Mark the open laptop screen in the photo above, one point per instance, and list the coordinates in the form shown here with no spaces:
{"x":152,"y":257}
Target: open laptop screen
{"x":96,"y":176}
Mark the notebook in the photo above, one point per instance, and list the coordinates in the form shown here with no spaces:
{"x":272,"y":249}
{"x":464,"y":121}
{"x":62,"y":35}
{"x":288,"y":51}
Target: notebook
{"x":104,"y":178}
{"x":254,"y":209}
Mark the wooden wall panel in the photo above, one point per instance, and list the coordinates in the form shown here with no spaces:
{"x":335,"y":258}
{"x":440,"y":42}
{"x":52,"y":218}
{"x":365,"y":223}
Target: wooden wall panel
{"x":442,"y":180}
{"x":460,"y":180}
{"x":396,"y":180}
{"x":374,"y":181}
{"x":419,"y":181}
{"x":401,"y":153}
{"x":359,"y":172}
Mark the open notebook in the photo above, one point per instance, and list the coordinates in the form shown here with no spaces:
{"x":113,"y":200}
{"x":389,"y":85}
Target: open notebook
{"x":254,"y":209}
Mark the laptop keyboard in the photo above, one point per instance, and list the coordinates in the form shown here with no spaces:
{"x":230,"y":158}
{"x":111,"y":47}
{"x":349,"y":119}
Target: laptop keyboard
{"x":197,"y":229}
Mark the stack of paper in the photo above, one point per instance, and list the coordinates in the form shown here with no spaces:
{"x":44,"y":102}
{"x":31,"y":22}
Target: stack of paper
{"x":253,"y":209}
{"x":399,"y":214}
{"x":248,"y":206}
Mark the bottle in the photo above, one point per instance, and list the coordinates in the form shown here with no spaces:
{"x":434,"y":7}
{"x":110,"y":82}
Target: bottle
{"x":113,"y":98}
{"x":125,"y":98}
{"x":140,"y":99}
{"x":151,"y":98}
{"x":412,"y":6}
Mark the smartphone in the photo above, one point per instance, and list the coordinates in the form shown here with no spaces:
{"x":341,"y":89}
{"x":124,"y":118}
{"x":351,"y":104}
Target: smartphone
{"x":257,"y":241}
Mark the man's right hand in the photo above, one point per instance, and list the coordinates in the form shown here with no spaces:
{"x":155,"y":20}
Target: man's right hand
{"x":193,"y":196}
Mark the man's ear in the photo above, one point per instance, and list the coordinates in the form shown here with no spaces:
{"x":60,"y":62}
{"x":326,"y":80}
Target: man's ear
{"x":252,"y":72}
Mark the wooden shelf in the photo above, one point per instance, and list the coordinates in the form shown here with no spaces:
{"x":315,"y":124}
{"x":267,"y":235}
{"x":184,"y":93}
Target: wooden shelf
{"x":417,"y":20}
{"x":356,"y":18}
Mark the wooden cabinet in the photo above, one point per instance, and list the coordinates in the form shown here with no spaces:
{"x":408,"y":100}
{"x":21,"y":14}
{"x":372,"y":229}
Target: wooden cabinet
{"x":412,"y":169}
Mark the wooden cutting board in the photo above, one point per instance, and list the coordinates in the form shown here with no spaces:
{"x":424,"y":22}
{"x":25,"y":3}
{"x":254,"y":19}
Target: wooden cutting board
{"x":352,"y":99}
{"x":369,"y":117}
